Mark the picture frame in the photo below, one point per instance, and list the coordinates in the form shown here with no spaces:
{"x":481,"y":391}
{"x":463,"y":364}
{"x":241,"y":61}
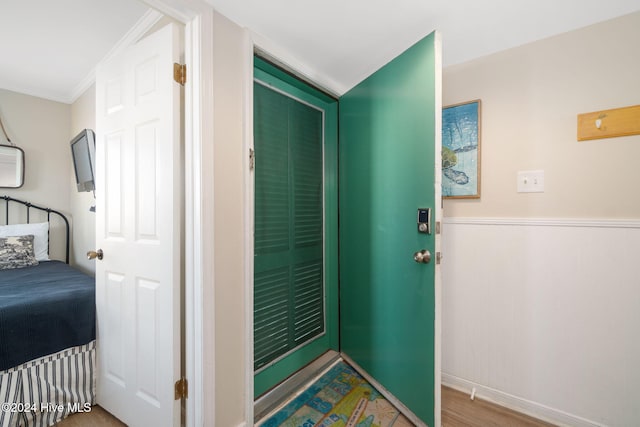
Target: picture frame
{"x":461,"y":150}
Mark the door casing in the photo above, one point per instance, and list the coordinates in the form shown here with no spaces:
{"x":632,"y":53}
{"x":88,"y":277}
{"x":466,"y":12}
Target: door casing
{"x":197,"y":17}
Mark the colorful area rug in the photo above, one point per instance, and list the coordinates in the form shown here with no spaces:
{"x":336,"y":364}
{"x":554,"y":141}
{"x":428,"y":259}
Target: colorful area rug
{"x":339,"y":398}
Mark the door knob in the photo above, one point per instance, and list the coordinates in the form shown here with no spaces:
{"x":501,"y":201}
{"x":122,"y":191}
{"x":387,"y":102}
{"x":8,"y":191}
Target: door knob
{"x":422,"y":257}
{"x":95,"y":254}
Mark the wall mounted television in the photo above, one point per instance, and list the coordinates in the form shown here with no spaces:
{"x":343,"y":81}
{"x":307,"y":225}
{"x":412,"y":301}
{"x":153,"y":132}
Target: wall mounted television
{"x":83,"y":152}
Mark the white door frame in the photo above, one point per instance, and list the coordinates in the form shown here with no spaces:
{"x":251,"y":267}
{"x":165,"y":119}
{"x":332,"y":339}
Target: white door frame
{"x":197,"y":16}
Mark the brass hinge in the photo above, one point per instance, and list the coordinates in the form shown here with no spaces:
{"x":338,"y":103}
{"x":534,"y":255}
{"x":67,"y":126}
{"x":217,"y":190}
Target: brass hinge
{"x":438,"y":258}
{"x":180,"y":73}
{"x":181,"y":389}
{"x":252,"y":159}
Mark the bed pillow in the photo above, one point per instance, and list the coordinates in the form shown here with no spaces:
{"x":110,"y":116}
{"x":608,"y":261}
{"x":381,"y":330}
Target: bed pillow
{"x":39,"y":231}
{"x":17,"y":252}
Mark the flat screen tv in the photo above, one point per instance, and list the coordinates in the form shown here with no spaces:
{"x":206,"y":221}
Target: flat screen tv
{"x":83,"y":151}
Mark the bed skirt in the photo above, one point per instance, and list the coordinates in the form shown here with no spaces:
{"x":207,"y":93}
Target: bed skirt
{"x":43,"y":391}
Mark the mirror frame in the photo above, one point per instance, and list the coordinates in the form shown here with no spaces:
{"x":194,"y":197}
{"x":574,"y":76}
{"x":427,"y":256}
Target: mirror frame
{"x":22,"y":175}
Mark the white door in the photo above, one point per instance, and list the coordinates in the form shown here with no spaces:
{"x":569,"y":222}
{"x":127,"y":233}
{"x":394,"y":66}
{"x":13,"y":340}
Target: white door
{"x":138,"y":205}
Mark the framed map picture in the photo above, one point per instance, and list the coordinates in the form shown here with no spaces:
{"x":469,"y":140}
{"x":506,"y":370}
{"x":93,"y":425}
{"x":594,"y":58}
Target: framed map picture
{"x":461,"y":150}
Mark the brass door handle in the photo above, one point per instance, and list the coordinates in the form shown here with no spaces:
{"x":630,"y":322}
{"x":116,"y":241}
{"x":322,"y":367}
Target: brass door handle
{"x":422,"y":257}
{"x":95,"y":254}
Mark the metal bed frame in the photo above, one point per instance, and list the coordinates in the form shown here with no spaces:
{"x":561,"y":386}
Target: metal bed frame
{"x":49,"y":211}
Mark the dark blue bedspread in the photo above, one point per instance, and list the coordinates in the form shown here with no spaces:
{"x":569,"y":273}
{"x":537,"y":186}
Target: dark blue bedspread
{"x":44,"y":309}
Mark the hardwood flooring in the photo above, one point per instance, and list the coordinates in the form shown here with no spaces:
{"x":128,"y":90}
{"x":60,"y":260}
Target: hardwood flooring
{"x":458,"y":410}
{"x":98,"y":417}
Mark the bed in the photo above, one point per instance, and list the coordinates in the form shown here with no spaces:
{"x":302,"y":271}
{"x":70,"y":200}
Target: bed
{"x":47,"y":323}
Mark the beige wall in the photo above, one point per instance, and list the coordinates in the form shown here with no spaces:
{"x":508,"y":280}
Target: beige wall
{"x":531,"y":96}
{"x":83,"y":116}
{"x":41,"y":128}
{"x":228,"y":162}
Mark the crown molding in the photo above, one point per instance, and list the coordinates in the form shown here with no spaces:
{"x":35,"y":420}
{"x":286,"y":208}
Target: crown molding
{"x":140,"y":28}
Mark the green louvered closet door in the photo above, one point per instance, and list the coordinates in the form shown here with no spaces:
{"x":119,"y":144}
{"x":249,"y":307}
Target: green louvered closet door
{"x":290,"y":322}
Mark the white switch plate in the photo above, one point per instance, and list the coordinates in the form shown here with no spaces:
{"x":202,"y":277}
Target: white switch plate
{"x":531,"y":181}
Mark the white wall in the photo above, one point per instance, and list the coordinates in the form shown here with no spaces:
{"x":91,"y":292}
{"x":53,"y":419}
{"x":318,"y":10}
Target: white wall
{"x":544,"y":315}
{"x":83,"y":116}
{"x":41,"y":128}
{"x":540,"y":310}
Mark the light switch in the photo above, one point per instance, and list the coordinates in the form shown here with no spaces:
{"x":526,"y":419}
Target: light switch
{"x":531,"y":181}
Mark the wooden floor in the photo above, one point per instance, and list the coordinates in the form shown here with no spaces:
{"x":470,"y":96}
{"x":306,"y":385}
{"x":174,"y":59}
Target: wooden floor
{"x":98,"y":417}
{"x":458,"y":410}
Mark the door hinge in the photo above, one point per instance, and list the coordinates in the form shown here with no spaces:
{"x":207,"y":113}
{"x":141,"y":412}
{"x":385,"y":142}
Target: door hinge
{"x":181,"y":389}
{"x":438,"y":258}
{"x":252,"y":159}
{"x":438,"y":227}
{"x":180,"y":73}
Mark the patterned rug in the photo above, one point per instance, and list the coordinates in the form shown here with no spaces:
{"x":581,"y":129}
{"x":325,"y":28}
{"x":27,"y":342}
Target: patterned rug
{"x":339,"y":398}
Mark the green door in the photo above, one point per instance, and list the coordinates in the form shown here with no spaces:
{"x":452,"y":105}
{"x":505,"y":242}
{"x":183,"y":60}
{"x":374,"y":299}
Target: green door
{"x":387,"y":169}
{"x":296,"y":228}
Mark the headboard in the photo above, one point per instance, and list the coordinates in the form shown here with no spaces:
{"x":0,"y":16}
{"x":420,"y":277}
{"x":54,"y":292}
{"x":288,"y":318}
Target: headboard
{"x":28,"y":207}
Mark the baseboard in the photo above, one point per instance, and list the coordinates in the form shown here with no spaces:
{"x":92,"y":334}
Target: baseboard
{"x":518,"y":404}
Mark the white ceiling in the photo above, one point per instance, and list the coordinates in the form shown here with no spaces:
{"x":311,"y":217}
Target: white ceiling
{"x":49,"y":48}
{"x":340,"y":42}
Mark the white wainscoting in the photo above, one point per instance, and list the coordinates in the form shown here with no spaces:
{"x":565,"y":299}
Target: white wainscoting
{"x":543,"y":315}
